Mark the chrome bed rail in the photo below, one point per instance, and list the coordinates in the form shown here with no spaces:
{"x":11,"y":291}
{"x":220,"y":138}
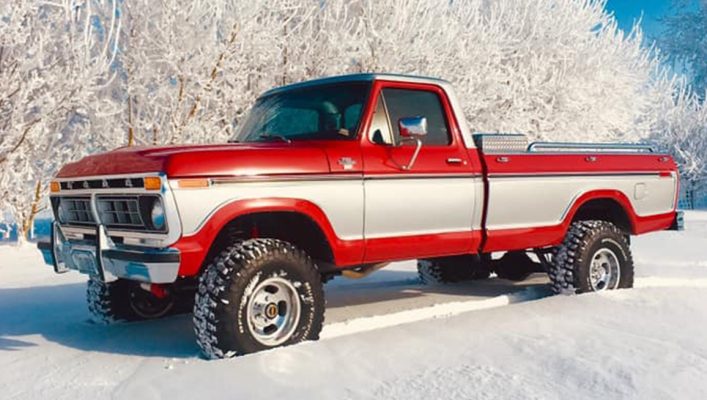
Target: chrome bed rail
{"x":590,"y":147}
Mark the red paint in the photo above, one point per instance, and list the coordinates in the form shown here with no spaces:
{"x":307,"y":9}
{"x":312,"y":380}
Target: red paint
{"x":382,"y":159}
{"x":523,"y":238}
{"x":205,"y":160}
{"x":567,"y":163}
{"x":158,"y":290}
{"x":421,"y":246}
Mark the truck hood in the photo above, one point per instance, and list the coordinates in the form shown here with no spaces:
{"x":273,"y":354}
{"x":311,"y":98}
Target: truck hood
{"x":203,"y":160}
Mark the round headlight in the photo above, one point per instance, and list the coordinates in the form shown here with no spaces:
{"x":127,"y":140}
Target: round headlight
{"x":62,"y":213}
{"x":157,"y":215}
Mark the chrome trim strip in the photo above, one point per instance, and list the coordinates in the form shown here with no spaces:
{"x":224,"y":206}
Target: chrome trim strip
{"x":328,"y":177}
{"x":119,"y":176}
{"x":552,"y":147}
{"x":276,"y":178}
{"x":567,"y":174}
{"x":422,"y":176}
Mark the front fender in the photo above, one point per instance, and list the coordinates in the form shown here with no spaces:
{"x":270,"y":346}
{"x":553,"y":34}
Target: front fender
{"x":194,"y":247}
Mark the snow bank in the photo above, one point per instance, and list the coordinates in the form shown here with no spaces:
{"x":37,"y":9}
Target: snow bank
{"x":390,"y":338}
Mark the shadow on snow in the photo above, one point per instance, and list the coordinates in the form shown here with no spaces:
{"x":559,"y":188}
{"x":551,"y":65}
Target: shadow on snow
{"x":59,"y":314}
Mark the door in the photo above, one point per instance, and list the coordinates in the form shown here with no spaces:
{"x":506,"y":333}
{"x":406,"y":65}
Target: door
{"x":423,"y":206}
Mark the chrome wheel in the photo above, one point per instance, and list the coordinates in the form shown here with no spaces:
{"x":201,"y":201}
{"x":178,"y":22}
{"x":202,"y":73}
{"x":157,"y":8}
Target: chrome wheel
{"x":273,"y":311}
{"x":604,"y":270}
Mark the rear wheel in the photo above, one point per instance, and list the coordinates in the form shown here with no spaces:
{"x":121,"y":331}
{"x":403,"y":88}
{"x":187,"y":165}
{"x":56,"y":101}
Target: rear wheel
{"x":594,"y":256}
{"x":257,"y":294}
{"x":453,"y":269}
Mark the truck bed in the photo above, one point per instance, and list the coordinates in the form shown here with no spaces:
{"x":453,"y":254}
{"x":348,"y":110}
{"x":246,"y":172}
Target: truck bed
{"x":534,"y":191}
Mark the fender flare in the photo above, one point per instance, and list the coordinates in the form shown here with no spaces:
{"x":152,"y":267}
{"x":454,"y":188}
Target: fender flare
{"x":613,"y":195}
{"x":195,"y":246}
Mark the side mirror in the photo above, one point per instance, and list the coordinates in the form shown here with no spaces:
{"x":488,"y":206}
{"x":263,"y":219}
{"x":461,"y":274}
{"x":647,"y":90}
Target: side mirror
{"x":414,"y":128}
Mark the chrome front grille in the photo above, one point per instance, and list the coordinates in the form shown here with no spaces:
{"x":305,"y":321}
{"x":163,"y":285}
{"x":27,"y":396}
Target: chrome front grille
{"x":77,"y":211}
{"x":120,"y":212}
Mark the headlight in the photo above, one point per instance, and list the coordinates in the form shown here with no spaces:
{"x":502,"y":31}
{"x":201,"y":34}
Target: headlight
{"x":157,"y":215}
{"x":62,"y":213}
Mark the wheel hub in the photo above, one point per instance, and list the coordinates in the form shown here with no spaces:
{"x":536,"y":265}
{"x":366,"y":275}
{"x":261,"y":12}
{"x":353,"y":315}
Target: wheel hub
{"x":273,"y":311}
{"x":604,"y":270}
{"x":147,"y":305}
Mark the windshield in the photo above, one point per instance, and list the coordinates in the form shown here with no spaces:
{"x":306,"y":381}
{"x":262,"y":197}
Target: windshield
{"x":331,"y":112}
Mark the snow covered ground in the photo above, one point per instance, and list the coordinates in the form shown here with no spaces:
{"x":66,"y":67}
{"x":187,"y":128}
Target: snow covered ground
{"x":386,"y":337}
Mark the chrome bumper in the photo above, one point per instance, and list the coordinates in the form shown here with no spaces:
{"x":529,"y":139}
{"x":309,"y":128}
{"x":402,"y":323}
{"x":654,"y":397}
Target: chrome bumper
{"x":103,"y":259}
{"x":678,"y":222}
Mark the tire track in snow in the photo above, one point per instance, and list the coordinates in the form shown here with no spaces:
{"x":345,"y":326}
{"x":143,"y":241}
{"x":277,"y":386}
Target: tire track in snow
{"x":667,"y":282}
{"x":443,"y":310}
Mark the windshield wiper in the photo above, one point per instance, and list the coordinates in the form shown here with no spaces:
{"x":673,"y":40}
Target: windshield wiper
{"x":269,"y":136}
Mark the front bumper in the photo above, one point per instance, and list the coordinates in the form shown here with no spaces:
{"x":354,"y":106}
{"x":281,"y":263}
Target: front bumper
{"x":103,"y":259}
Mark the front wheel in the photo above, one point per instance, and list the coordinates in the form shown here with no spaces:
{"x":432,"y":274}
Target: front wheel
{"x":124,"y":300}
{"x":594,"y":256}
{"x":257,"y":294}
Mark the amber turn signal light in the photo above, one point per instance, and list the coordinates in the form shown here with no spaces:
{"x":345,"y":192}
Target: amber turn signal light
{"x":152,"y":183}
{"x":193,"y":183}
{"x":54,"y":187}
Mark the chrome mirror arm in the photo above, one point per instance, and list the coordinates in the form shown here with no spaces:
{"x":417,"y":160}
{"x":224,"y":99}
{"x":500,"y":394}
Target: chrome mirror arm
{"x":414,"y":155}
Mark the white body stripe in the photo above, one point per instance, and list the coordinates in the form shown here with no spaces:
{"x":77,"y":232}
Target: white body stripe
{"x":404,"y":207}
{"x":526,"y":201}
{"x":377,"y":208}
{"x":340,"y":200}
{"x":393,"y":207}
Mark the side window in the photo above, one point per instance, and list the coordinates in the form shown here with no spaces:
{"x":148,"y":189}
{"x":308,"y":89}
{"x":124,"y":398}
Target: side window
{"x":379,"y":132}
{"x":402,"y":103}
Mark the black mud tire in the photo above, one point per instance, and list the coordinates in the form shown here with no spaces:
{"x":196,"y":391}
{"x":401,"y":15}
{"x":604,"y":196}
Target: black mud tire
{"x":516,"y":266}
{"x":570,"y":269}
{"x":111,"y":302}
{"x":453,"y":269}
{"x":220,"y":307}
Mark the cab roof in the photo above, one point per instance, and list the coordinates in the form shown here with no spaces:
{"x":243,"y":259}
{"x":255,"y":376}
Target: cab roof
{"x":365,"y":77}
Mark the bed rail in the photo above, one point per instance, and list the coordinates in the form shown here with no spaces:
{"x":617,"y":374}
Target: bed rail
{"x":589,"y":147}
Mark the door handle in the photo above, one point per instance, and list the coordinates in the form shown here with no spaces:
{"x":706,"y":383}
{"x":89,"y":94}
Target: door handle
{"x":455,"y":161}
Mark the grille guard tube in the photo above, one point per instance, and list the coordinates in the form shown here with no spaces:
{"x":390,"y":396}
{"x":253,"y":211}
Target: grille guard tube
{"x":147,"y":265}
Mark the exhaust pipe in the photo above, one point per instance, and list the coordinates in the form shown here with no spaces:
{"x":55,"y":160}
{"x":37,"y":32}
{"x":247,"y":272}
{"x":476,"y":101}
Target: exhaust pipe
{"x":363,"y":270}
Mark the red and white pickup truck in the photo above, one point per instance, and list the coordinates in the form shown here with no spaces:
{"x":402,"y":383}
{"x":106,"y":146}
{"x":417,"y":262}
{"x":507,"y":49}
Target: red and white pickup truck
{"x":337,"y":176}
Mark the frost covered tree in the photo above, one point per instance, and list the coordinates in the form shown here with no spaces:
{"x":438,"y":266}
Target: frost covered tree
{"x":556,"y":69}
{"x":193,"y":67}
{"x":685,"y":40}
{"x":552,"y":69}
{"x":682,"y":131}
{"x":55,"y":89}
{"x":81,"y":76}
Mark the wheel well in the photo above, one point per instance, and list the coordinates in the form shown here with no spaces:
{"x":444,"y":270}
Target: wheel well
{"x":291,"y":227}
{"x":605,"y":210}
